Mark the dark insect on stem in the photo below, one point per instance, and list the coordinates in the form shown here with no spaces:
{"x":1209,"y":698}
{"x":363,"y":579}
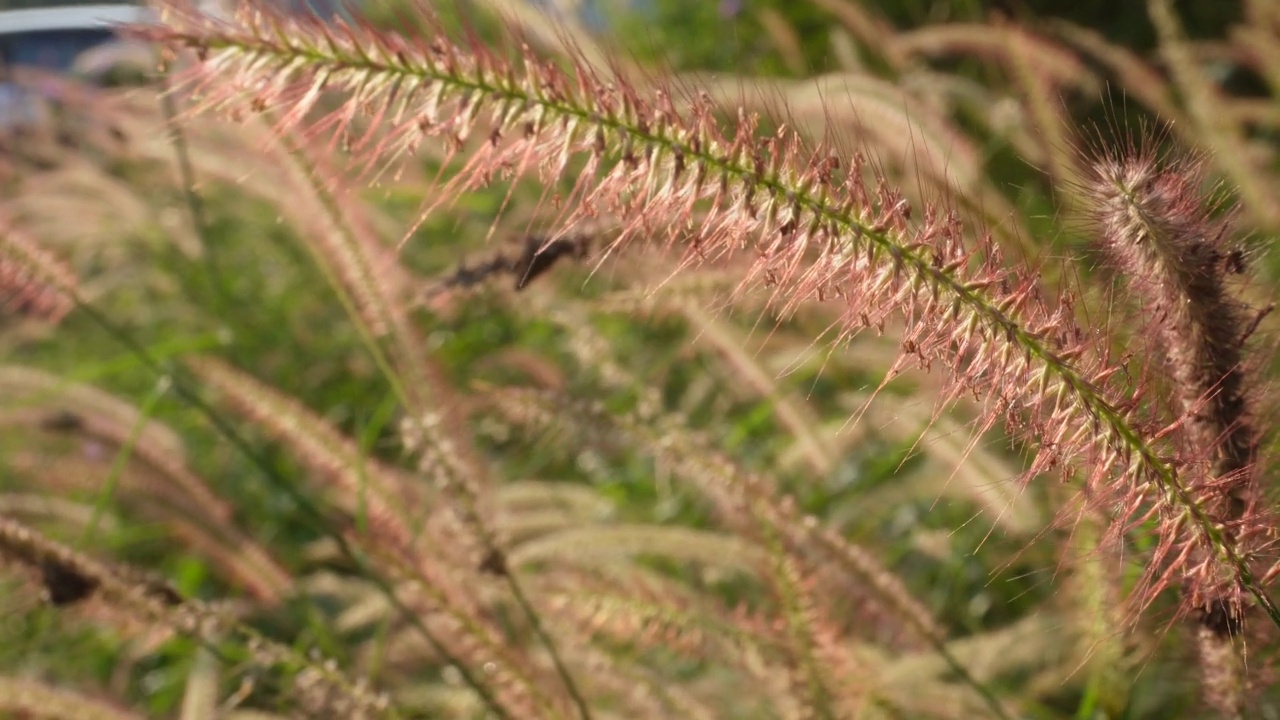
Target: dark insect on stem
{"x":1257,"y":320}
{"x":64,"y":585}
{"x":63,"y":421}
{"x":494,"y":563}
{"x":164,"y":592}
{"x":538,"y":256}
{"x":1235,"y":263}
{"x":535,"y":256}
{"x":1222,"y":617}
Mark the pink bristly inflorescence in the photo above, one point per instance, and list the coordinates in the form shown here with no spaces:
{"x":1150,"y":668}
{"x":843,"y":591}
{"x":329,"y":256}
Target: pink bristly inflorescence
{"x":1176,"y":254}
{"x":33,"y":282}
{"x":809,"y":220}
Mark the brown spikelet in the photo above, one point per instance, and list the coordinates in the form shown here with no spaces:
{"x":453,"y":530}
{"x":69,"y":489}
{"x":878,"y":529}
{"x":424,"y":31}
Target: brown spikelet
{"x":534,"y":256}
{"x":33,"y":282}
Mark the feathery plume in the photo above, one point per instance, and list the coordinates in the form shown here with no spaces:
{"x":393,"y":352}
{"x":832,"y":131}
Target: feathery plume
{"x":1176,"y":253}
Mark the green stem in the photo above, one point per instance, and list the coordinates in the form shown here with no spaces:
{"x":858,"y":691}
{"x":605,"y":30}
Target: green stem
{"x":122,"y":458}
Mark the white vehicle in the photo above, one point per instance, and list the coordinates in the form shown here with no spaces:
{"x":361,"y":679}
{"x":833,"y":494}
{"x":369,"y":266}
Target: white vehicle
{"x":80,"y":40}
{"x":67,"y":39}
{"x":51,"y":38}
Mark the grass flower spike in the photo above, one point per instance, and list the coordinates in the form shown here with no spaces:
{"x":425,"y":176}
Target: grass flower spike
{"x":814,"y":225}
{"x":1176,"y":255}
{"x":33,"y":282}
{"x":581,"y":361}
